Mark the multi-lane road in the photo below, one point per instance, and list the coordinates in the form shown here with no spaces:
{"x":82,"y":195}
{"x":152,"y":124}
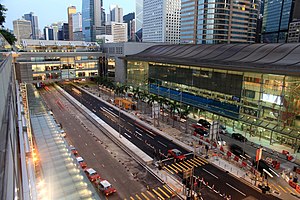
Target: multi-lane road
{"x":146,"y":140}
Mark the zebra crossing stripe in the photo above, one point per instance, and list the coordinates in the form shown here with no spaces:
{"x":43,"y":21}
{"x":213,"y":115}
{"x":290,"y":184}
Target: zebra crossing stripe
{"x":164,"y":192}
{"x":159,"y":195}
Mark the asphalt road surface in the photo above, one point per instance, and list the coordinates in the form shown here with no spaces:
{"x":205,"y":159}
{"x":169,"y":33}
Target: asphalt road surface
{"x":144,"y":138}
{"x":128,"y":177}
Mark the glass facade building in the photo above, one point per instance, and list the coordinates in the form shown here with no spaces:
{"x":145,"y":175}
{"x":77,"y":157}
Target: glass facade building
{"x":277,"y":16}
{"x":91,"y":19}
{"x":218,"y":21}
{"x":263,"y":101}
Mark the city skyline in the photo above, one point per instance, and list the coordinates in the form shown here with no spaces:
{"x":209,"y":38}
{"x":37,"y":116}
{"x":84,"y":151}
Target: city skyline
{"x":60,"y":6}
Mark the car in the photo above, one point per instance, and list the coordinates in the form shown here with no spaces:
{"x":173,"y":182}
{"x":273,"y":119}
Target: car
{"x":199,"y":126}
{"x":63,"y":133}
{"x":204,"y":123}
{"x":239,"y":137}
{"x":73,"y":150}
{"x":92,"y":174}
{"x":81,"y":162}
{"x":105,"y":187}
{"x":176,"y":154}
{"x":221,"y":142}
{"x":201,"y":132}
{"x":237,"y":150}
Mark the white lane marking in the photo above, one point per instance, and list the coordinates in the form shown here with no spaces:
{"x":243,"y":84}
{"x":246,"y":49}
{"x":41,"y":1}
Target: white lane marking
{"x":138,"y":128}
{"x":139,"y":133}
{"x":115,"y":180}
{"x":130,"y":124}
{"x":85,"y":144}
{"x":123,"y":119}
{"x":94,"y":154}
{"x":150,"y":136}
{"x":94,"y":110}
{"x":235,"y":189}
{"x":102,"y":165}
{"x":162,"y":143}
{"x":127,"y":135}
{"x":210,"y":173}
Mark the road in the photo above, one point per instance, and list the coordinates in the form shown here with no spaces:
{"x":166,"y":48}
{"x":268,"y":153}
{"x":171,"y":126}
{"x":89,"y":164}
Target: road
{"x":143,"y":139}
{"x":128,"y":177}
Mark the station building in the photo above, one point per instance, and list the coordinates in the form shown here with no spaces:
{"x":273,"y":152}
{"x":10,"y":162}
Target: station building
{"x":250,"y":87}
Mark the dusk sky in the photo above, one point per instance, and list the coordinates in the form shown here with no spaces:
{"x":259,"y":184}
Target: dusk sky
{"x":49,"y":11}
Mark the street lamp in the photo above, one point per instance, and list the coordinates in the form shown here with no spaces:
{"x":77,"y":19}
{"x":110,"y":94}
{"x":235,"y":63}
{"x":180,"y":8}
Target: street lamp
{"x":119,"y":119}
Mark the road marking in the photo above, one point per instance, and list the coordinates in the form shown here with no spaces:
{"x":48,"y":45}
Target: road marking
{"x":150,"y":136}
{"x":130,"y":124}
{"x":145,"y":196}
{"x":188,"y":164}
{"x":139,"y":134}
{"x":176,"y":167}
{"x":115,"y":180}
{"x":289,"y":189}
{"x":172,"y":169}
{"x":164,"y":192}
{"x":168,"y":189}
{"x":85,"y":144}
{"x":162,"y":143}
{"x":282,"y":188}
{"x":127,"y":135}
{"x":191,"y":163}
{"x":131,"y":198}
{"x":210,"y":173}
{"x":94,"y":110}
{"x":168,"y":170}
{"x":94,"y":154}
{"x":102,"y":165}
{"x":159,"y":195}
{"x":235,"y":189}
{"x":137,"y":196}
{"x":151,"y":194}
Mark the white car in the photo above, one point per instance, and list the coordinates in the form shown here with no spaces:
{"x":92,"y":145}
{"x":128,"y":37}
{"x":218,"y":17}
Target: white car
{"x":63,"y":133}
{"x":221,"y":142}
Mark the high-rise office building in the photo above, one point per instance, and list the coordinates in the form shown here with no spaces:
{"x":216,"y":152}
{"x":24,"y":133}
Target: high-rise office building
{"x":71,"y":11}
{"x":276,"y":18}
{"x":34,"y":25}
{"x":92,"y":22}
{"x":116,"y":14}
{"x":139,"y":20}
{"x":22,"y":29}
{"x":161,"y":21}
{"x":117,"y":30}
{"x":77,"y":26}
{"x":218,"y":21}
{"x":48,"y":33}
{"x":129,"y":20}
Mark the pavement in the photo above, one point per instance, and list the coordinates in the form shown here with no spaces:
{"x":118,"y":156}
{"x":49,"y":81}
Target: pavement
{"x":215,"y":158}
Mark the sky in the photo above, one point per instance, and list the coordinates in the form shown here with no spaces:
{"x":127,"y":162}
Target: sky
{"x":49,"y":11}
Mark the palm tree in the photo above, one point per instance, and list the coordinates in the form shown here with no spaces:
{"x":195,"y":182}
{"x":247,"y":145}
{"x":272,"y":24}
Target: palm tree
{"x":173,"y":107}
{"x":184,"y":114}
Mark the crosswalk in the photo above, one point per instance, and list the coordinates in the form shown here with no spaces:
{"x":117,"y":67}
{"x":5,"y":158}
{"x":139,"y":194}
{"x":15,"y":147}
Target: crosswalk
{"x":180,"y":167}
{"x":158,"y":193}
{"x":282,"y":189}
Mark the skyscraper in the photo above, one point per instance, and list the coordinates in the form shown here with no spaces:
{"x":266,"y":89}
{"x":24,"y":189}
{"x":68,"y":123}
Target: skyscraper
{"x":129,"y":20}
{"x":218,"y":21}
{"x":77,"y":26}
{"x":116,"y":14}
{"x":71,"y":11}
{"x":161,"y":21}
{"x":48,"y":33}
{"x":276,"y":18}
{"x":117,"y":30}
{"x":22,"y":29}
{"x":139,"y":20}
{"x":92,"y":14}
{"x":34,"y":25}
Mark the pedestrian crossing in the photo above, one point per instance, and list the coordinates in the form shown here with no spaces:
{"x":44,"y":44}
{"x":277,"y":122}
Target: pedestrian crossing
{"x":158,"y":193}
{"x":282,"y":189}
{"x":180,"y":167}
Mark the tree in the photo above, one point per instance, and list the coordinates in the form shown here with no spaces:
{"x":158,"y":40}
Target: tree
{"x":10,"y":38}
{"x":184,"y":114}
{"x":2,"y":14}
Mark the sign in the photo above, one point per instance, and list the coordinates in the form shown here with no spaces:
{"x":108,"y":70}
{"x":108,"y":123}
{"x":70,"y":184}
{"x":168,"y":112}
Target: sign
{"x":258,"y":154}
